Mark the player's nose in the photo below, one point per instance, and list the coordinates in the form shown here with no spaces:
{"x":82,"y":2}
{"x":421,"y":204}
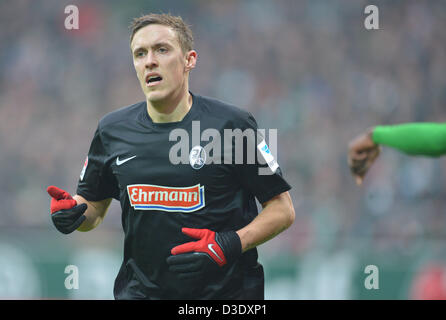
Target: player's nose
{"x":151,"y":60}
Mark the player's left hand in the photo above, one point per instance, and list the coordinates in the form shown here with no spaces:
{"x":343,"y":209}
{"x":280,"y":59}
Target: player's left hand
{"x":196,"y":259}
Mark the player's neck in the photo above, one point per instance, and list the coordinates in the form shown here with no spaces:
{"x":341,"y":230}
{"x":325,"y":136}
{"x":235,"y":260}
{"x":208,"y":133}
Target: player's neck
{"x":173,"y":110}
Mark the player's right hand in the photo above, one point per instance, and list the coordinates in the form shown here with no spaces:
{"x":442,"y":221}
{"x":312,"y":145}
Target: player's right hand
{"x":361,"y":155}
{"x":67,"y":216}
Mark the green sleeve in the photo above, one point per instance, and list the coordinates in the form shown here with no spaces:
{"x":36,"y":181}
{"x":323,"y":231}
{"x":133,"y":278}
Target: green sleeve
{"x":423,"y":138}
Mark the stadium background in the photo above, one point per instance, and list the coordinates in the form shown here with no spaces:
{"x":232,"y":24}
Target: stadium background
{"x":308,"y":68}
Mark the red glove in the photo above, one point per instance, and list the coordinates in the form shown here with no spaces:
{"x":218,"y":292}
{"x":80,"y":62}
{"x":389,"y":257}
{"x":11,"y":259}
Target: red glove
{"x":60,"y":199}
{"x":67,"y":216}
{"x":198,"y":260}
{"x":206,"y":244}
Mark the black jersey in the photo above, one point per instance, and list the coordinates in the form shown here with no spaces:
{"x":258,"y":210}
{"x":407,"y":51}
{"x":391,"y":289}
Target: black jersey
{"x":135,"y":161}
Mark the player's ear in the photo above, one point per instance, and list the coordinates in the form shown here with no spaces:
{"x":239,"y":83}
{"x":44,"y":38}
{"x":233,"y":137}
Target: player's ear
{"x":191,"y":60}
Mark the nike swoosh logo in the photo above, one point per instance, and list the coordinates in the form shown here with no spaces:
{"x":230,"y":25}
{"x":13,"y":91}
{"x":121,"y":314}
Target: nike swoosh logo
{"x":210,"y":245}
{"x":119,"y":162}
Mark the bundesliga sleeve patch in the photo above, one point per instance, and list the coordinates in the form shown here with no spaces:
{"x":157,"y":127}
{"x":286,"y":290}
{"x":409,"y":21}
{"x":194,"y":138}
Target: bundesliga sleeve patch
{"x":170,"y":199}
{"x":84,"y":168}
{"x":268,"y":156}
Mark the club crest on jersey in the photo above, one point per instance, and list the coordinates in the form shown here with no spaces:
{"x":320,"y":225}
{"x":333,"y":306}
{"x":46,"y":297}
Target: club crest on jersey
{"x":170,"y":199}
{"x":197,"y":157}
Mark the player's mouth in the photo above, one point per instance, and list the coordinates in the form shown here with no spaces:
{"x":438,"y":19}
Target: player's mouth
{"x":153,"y":79}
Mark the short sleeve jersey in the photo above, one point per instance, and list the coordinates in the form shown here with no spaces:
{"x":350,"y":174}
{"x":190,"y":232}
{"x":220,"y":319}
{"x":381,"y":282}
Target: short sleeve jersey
{"x":201,"y":172}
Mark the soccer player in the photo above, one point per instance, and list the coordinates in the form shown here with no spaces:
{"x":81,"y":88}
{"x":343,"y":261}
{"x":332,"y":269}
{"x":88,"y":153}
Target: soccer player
{"x":191,"y":229}
{"x":418,"y":138}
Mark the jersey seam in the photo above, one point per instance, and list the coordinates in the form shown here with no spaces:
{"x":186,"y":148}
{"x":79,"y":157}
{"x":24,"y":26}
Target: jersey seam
{"x":245,"y":115}
{"x":125,"y":119}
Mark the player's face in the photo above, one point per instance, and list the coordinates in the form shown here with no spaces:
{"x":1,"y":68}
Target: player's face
{"x":161,"y":66}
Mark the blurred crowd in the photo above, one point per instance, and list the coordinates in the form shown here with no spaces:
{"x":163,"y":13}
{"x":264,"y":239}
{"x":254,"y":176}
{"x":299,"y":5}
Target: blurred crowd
{"x":307,"y":68}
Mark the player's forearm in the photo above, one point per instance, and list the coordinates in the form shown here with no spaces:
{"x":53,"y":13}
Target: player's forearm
{"x":94,"y":214}
{"x":277,"y":215}
{"x":426,"y":138}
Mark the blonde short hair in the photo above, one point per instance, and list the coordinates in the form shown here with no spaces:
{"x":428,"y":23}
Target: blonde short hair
{"x":183,"y":31}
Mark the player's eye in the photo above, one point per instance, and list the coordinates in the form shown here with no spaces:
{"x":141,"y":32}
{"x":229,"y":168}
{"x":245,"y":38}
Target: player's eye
{"x":139,"y":54}
{"x":162,"y":50}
